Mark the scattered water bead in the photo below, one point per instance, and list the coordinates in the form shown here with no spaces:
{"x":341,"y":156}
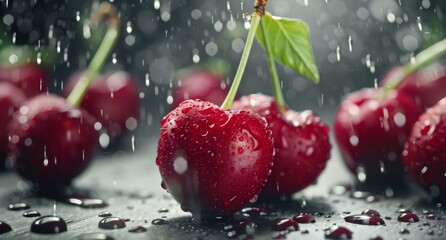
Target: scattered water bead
{"x":371,"y":212}
{"x":255,"y":211}
{"x":31,"y":213}
{"x":49,"y":225}
{"x":376,"y":238}
{"x":338,"y":232}
{"x":159,"y":221}
{"x":426,"y":224}
{"x":93,"y":236}
{"x":163,"y":210}
{"x":360,"y":194}
{"x":388,"y":218}
{"x":125,"y":219}
{"x":373,"y":198}
{"x":105,"y":214}
{"x":279,"y":235}
{"x":433,"y":216}
{"x":304,"y":218}
{"x":430,"y":232}
{"x":404,"y":231}
{"x":284,"y":224}
{"x":4,"y":227}
{"x":111,"y":223}
{"x":138,"y":229}
{"x":404,"y":210}
{"x":340,"y":189}
{"x":242,"y":229}
{"x":408,"y":217}
{"x":18,"y":206}
{"x":364,"y":220}
{"x":87,"y":202}
{"x":305,"y":231}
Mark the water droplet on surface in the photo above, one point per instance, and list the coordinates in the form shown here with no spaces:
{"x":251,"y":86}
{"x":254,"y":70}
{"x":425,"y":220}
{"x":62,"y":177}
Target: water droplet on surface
{"x":49,"y":225}
{"x":408,"y":217}
{"x":4,"y":227}
{"x":138,"y":229}
{"x":255,"y":211}
{"x":364,"y":220}
{"x":338,"y":232}
{"x":18,"y":206}
{"x":105,"y":214}
{"x":240,"y":229}
{"x":111,"y":223}
{"x":404,"y":210}
{"x":284,"y":224}
{"x":163,"y":210}
{"x":31,"y":214}
{"x":371,"y":212}
{"x":93,"y":236}
{"x":304,"y":218}
{"x":404,"y":231}
{"x":340,"y":189}
{"x":159,"y":221}
{"x":87,"y":202}
{"x":433,"y":216}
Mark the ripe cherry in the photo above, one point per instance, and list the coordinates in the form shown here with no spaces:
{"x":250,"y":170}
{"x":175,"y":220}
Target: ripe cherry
{"x":31,"y":78}
{"x":301,"y":144}
{"x":113,"y":99}
{"x":213,"y":161}
{"x":371,"y":133}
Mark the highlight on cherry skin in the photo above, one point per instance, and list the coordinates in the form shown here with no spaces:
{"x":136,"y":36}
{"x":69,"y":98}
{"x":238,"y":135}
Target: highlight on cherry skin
{"x":301,"y":143}
{"x":371,"y":133}
{"x":213,"y":161}
{"x":424,"y":154}
{"x":11,"y":98}
{"x":30,"y":78}
{"x":51,"y":142}
{"x":203,"y":85}
{"x":112,"y":99}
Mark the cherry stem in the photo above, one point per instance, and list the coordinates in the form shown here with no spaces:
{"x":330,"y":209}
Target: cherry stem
{"x":107,"y":12}
{"x":227,"y":103}
{"x":278,"y":94}
{"x":422,"y":59}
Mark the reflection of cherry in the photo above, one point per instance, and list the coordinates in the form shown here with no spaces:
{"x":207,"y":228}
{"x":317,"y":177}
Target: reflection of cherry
{"x":31,"y":78}
{"x":202,"y":85}
{"x":300,"y":141}
{"x":10,"y":99}
{"x":371,"y":132}
{"x":213,"y":161}
{"x":113,"y":99}
{"x":51,"y":141}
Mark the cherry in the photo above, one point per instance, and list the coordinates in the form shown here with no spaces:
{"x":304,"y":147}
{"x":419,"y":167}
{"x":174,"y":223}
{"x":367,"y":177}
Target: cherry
{"x":371,"y":132}
{"x":202,"y":85}
{"x":113,"y":99}
{"x":213,"y":161}
{"x":425,"y":86}
{"x":31,"y":78}
{"x":301,"y":144}
{"x":424,"y":154}
{"x":10,"y":99}
{"x":51,"y":142}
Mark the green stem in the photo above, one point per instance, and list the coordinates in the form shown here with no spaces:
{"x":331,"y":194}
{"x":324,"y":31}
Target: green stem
{"x":227,"y":104}
{"x":422,"y":59}
{"x":278,"y":94}
{"x":98,"y":61}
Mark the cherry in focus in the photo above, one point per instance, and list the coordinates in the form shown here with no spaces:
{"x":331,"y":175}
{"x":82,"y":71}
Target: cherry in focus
{"x":113,"y":99}
{"x":424,"y":154}
{"x":10,"y":99}
{"x":51,"y":142}
{"x":371,"y":133}
{"x":31,"y":78}
{"x":301,"y":144}
{"x":202,"y":85}
{"x":213,"y":161}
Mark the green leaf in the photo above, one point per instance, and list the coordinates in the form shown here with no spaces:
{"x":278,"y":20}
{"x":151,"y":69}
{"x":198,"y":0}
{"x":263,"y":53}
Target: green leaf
{"x":289,"y":42}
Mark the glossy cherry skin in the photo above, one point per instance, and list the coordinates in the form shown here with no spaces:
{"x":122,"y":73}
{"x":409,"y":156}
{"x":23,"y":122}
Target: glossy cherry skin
{"x":371,"y":133}
{"x":213,"y":161}
{"x":31,"y":78}
{"x":10,"y":99}
{"x":301,"y":144}
{"x":425,"y":86}
{"x":425,"y":153}
{"x":51,"y":142}
{"x":113,"y":99}
{"x":202,"y":85}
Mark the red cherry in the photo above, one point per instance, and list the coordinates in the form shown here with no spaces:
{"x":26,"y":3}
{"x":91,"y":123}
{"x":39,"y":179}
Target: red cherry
{"x":51,"y":142}
{"x":371,"y":132}
{"x":202,"y":85}
{"x":213,"y":161}
{"x":112,"y":99}
{"x":301,"y":144}
{"x":426,"y":86}
{"x":424,"y":154}
{"x":31,"y":78}
{"x":10,"y":99}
